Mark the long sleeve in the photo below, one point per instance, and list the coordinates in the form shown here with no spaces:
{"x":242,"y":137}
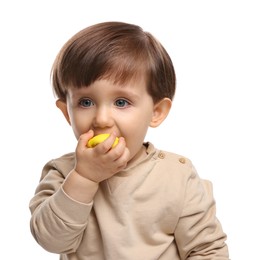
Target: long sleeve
{"x":198,"y":233}
{"x":57,"y":221}
{"x":156,"y":208}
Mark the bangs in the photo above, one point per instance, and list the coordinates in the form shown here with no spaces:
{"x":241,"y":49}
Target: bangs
{"x":122,"y":70}
{"x":117,"y":52}
{"x":81,"y":64}
{"x":119,"y":69}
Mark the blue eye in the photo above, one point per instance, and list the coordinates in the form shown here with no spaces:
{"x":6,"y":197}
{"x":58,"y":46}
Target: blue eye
{"x":121,"y":103}
{"x":86,"y":102}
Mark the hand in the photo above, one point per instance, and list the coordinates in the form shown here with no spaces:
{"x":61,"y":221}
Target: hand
{"x":102,"y":161}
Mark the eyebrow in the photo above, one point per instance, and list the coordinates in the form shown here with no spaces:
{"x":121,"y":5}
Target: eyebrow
{"x":120,"y":91}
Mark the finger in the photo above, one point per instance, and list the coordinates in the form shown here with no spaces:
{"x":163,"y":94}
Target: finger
{"x":83,"y":139}
{"x":107,"y":145}
{"x":121,"y":153}
{"x":122,"y":161}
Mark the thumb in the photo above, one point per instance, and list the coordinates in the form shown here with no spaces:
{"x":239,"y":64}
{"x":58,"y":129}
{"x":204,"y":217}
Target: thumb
{"x":83,"y":139}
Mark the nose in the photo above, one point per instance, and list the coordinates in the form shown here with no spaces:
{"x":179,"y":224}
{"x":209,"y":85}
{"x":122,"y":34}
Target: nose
{"x":103,"y":118}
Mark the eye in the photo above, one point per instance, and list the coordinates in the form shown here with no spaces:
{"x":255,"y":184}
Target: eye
{"x":86,"y":102}
{"x":122,"y":102}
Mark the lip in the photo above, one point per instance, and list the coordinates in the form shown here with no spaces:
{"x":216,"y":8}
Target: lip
{"x":100,"y":133}
{"x":97,"y":139}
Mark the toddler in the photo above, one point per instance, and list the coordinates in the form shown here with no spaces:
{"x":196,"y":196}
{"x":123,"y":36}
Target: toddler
{"x":130,"y":201}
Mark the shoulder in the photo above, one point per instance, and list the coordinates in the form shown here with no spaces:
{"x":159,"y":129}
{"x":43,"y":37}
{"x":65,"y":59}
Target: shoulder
{"x":176,"y":164}
{"x":172,"y":165}
{"x":180,"y":171}
{"x":169,"y":159}
{"x":63,"y":164}
{"x":176,"y":159}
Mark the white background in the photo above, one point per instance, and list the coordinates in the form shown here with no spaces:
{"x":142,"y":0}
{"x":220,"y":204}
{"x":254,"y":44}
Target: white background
{"x":213,"y":48}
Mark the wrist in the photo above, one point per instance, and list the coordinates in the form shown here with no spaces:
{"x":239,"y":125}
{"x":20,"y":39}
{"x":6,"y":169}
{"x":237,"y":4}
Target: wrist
{"x":80,"y":188}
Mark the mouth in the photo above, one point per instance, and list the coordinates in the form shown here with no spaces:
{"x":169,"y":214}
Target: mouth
{"x":96,"y":133}
{"x":97,"y":139}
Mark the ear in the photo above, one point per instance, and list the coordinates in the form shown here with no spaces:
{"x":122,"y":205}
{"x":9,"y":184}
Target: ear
{"x":62,"y":105}
{"x":160,"y":112}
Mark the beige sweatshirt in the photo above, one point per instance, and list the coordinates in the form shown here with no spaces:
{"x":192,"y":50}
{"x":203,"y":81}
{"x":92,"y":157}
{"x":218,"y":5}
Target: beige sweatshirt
{"x":158,"y":208}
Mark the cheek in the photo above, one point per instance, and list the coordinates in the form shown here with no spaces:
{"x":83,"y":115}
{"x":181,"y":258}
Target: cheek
{"x":134,"y":140}
{"x":134,"y":132}
{"x":136,"y":123}
{"x":79,"y":125}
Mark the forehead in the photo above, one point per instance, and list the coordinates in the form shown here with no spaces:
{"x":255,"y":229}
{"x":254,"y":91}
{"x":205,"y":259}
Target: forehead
{"x":104,"y":87}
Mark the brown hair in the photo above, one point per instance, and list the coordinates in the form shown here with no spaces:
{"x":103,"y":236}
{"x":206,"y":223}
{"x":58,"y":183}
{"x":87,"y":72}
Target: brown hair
{"x":116,"y":51}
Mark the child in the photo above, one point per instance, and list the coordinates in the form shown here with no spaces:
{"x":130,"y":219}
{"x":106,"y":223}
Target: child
{"x":130,"y":201}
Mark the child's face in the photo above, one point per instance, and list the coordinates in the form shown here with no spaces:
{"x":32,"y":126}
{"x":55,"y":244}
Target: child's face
{"x":105,"y":108}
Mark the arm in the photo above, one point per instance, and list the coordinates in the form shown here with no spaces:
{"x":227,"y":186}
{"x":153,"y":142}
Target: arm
{"x":93,"y":165}
{"x":64,"y":198}
{"x":57,"y":221}
{"x":199,"y":234}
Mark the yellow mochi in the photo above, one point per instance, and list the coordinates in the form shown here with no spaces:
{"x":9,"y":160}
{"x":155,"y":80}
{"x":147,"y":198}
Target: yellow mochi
{"x":99,"y":139}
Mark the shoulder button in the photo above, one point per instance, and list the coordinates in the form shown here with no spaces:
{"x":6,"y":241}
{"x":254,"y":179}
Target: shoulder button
{"x":182,"y":160}
{"x":161,"y":155}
